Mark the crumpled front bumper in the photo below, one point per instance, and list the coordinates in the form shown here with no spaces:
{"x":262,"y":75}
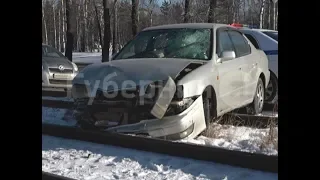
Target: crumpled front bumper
{"x":188,"y":124}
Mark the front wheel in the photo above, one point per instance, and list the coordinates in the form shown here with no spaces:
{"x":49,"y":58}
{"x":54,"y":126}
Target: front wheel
{"x":208,"y":110}
{"x":257,"y":104}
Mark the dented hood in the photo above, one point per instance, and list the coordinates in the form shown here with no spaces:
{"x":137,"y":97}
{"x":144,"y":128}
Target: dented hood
{"x":127,"y":73}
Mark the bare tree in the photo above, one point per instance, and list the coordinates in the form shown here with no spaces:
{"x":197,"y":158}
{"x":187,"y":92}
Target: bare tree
{"x":98,"y":23}
{"x":262,"y":13}
{"x":107,"y":34}
{"x":115,"y":27}
{"x":186,"y":11}
{"x":54,"y":24}
{"x":274,"y":15}
{"x":70,"y":30}
{"x":88,"y":21}
{"x":134,"y":16}
{"x":59,"y":28}
{"x":63,"y":27}
{"x":85,"y":20}
{"x":212,"y":5}
{"x":44,"y":24}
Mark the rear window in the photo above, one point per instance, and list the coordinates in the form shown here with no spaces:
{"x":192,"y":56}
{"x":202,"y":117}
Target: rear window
{"x":252,"y":40}
{"x":273,"y":35}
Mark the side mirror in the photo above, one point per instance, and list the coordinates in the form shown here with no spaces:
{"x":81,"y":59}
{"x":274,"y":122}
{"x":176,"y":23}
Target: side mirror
{"x":226,"y":56}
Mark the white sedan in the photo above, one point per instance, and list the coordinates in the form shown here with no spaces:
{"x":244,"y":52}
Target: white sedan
{"x":170,"y":81}
{"x":267,"y":40}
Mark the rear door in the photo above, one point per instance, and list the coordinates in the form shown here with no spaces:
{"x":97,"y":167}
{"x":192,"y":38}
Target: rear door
{"x":247,"y":65}
{"x":230,"y":75}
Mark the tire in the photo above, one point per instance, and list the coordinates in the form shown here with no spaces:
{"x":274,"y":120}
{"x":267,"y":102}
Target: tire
{"x":272,"y":88}
{"x":256,"y":106}
{"x":208,"y":109}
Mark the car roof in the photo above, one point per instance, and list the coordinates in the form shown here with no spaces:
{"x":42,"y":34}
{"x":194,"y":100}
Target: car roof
{"x":187,"y":25}
{"x":257,"y":30}
{"x":269,"y":30}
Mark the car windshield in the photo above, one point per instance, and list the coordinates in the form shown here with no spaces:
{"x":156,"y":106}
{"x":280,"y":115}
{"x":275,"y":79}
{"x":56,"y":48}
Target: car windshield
{"x":169,"y":43}
{"x":48,"y":51}
{"x":272,"y":34}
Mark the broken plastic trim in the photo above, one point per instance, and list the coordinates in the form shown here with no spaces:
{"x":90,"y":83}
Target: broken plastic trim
{"x":180,"y":135}
{"x":164,"y":98}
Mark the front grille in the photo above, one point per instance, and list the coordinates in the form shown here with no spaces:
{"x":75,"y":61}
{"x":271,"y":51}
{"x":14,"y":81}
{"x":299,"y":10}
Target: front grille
{"x":56,"y":70}
{"x":64,"y":82}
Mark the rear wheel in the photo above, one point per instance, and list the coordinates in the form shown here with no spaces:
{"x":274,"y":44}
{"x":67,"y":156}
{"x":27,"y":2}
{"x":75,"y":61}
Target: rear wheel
{"x":257,"y":104}
{"x":272,"y":88}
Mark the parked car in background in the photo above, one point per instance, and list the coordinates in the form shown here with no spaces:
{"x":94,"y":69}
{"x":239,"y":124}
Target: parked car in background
{"x":267,"y":40}
{"x":170,"y":81}
{"x":57,"y":70}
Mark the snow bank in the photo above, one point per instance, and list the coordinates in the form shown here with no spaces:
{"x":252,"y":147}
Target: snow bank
{"x":84,"y":160}
{"x":239,"y":138}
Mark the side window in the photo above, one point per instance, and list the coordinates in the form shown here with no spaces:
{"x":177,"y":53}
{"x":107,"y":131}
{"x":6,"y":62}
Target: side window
{"x":252,"y":40}
{"x":225,"y":43}
{"x":240,"y":43}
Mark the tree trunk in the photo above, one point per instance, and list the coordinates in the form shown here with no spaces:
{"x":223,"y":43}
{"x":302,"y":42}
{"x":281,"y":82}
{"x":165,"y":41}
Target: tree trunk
{"x":54,"y":26}
{"x":86,"y":38}
{"x":274,"y":16}
{"x":151,"y":14}
{"x":244,"y":11}
{"x":115,"y":28}
{"x":134,"y":16}
{"x":186,"y":11}
{"x":107,"y":34}
{"x":69,"y":45}
{"x":211,"y":11}
{"x":45,"y":25}
{"x":98,"y":24}
{"x":59,"y":28}
{"x":233,"y":11}
{"x":269,"y":14}
{"x":262,"y":13}
{"x":63,"y":47}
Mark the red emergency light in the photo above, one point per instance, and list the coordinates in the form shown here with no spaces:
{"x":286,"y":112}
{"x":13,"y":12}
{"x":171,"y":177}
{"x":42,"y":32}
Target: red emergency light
{"x":236,"y":25}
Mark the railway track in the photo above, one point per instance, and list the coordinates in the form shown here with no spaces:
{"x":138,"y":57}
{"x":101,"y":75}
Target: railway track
{"x":217,"y":155}
{"x":230,"y":119}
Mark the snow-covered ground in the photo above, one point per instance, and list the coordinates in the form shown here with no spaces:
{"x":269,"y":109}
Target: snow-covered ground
{"x":224,"y":136}
{"x":57,"y":116}
{"x":239,"y":138}
{"x":87,"y":57}
{"x":90,"y":161}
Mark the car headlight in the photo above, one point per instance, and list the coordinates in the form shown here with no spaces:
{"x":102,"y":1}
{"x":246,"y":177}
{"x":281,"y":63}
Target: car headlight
{"x":75,"y":67}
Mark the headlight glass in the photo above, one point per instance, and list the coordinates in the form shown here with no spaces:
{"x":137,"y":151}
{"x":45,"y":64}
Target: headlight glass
{"x":75,"y":67}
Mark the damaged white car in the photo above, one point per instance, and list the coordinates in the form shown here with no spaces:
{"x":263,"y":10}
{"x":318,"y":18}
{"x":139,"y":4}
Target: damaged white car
{"x":170,"y":81}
